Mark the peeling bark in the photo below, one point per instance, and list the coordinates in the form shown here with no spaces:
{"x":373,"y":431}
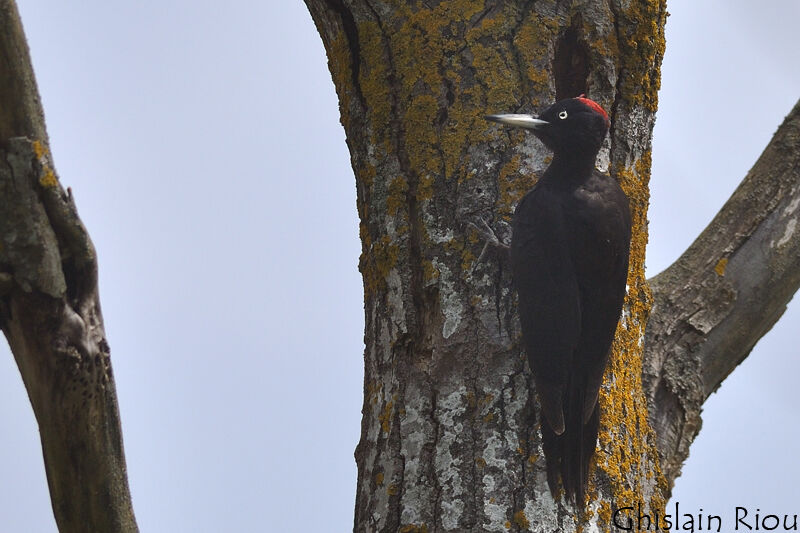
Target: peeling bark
{"x":450,"y":438}
{"x":723,"y":294}
{"x":50,"y":310}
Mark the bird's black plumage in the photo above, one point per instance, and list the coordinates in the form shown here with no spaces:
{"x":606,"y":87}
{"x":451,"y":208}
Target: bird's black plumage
{"x":569,"y":255}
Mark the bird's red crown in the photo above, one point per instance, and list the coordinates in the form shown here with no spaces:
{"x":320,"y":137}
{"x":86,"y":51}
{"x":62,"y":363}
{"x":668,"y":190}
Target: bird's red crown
{"x":594,"y":105}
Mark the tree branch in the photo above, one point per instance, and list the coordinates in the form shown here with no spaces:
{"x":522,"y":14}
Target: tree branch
{"x":17,"y":82}
{"x":723,"y":294}
{"x":50,"y":310}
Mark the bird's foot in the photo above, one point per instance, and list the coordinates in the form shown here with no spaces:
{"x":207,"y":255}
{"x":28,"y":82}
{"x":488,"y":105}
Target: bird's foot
{"x":490,"y":236}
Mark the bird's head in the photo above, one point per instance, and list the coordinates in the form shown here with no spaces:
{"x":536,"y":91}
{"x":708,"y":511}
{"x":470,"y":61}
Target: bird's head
{"x":572,"y":125}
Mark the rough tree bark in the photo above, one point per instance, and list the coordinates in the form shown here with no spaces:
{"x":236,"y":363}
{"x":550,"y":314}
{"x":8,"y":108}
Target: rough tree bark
{"x":50,"y":310}
{"x":449,"y":433}
{"x":450,"y":437}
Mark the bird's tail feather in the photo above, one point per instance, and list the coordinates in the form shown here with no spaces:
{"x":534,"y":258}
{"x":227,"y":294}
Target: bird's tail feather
{"x":570,"y":453}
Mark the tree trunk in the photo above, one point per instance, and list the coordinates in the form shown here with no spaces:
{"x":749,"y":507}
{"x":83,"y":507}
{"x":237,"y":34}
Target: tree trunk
{"x":50,"y":310}
{"x":450,"y":438}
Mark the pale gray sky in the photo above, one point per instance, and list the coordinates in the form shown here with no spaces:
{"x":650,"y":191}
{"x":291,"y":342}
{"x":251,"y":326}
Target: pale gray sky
{"x":204,"y":149}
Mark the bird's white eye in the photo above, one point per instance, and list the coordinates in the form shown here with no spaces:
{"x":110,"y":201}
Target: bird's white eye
{"x":562,"y":115}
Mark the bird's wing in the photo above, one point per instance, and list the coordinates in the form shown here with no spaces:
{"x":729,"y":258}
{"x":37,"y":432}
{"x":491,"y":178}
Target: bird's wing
{"x":549,"y":302}
{"x":601,"y":232}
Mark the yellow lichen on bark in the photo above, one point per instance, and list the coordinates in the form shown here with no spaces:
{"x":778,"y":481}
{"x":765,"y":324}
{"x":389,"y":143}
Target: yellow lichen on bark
{"x":377,"y":261}
{"x":414,"y":528}
{"x":635,"y":184}
{"x":374,"y":72}
{"x":40,"y":149}
{"x":386,"y":416}
{"x":398,"y":188}
{"x":631,"y":461}
{"x":534,"y":42}
{"x":423,"y":113}
{"x":521,"y":520}
{"x":339,"y":65}
{"x":720,"y":266}
{"x":642,"y":50}
{"x":47,"y":176}
{"x":428,"y":65}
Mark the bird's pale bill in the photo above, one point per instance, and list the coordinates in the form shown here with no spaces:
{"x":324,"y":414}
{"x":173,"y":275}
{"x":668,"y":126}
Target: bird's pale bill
{"x":521,"y":121}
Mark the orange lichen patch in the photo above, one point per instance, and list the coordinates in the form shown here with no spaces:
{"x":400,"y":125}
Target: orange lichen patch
{"x":507,"y":524}
{"x":379,"y":479}
{"x":414,"y":528}
{"x":604,"y":512}
{"x":467,"y":258}
{"x":373,"y":74}
{"x":429,"y":272}
{"x":533,"y":458}
{"x":480,"y":462}
{"x":634,"y":181}
{"x":385,"y":417}
{"x":398,"y":195}
{"x":720,"y":266}
{"x":40,"y":149}
{"x":48,"y":178}
{"x":393,"y":489}
{"x":521,"y":520}
{"x":339,"y":64}
{"x":376,"y":263}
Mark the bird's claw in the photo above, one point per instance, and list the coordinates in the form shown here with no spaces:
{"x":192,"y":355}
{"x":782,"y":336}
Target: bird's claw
{"x":487,"y":233}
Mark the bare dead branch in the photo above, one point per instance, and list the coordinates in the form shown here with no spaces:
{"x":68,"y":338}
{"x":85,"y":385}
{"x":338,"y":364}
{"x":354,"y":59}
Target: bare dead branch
{"x":50,"y":310}
{"x":21,"y":110}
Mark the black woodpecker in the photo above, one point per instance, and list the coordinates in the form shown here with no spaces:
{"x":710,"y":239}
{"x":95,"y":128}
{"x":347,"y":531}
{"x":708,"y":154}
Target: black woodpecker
{"x":569,"y":256}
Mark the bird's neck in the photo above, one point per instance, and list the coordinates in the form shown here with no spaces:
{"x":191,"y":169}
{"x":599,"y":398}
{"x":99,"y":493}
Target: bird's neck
{"x":571,"y":168}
